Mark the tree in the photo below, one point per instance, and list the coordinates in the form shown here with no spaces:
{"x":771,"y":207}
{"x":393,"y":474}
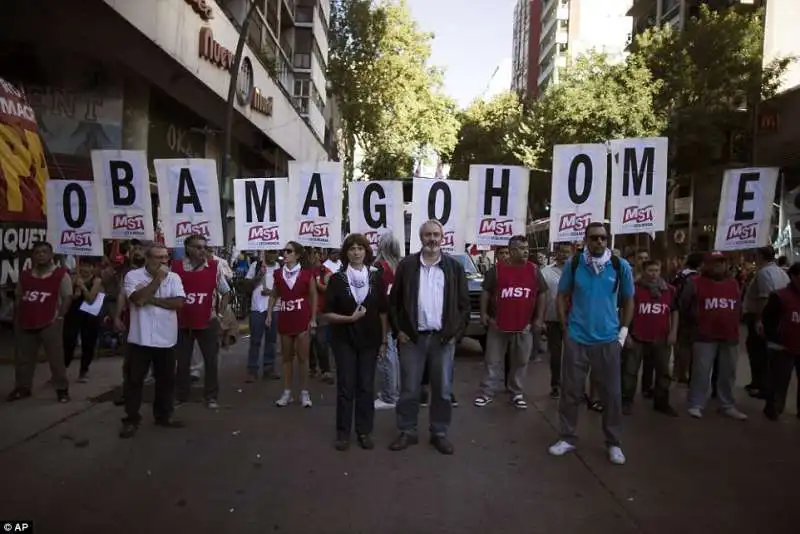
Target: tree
{"x":711,"y":80}
{"x":485,"y":128}
{"x":595,"y":101}
{"x":390,"y":99}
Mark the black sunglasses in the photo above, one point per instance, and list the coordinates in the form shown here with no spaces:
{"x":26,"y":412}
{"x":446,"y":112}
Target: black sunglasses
{"x":597,"y":237}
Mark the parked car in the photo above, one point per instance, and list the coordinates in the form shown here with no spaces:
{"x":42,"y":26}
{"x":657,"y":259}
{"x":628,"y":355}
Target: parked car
{"x":475,"y":329}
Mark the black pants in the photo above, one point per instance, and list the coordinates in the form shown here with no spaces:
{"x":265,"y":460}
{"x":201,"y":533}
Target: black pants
{"x":555,"y":346}
{"x":757,"y":354}
{"x":355,"y":388}
{"x":648,"y":371}
{"x":781,"y":364}
{"x":87,"y":326}
{"x":137,"y":363}
{"x":319,"y":351}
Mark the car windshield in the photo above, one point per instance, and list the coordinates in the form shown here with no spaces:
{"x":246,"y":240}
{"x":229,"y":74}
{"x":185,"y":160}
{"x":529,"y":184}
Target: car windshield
{"x":466,"y":261}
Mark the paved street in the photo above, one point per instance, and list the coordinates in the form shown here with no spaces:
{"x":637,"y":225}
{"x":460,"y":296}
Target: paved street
{"x":251,"y":467}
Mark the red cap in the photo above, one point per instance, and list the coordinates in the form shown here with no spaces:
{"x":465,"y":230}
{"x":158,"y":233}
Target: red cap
{"x":715,"y":255}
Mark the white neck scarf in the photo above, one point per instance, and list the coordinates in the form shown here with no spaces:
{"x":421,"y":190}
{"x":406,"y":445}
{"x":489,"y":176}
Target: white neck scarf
{"x":359,"y":283}
{"x":598,"y":263}
{"x":290,"y":275}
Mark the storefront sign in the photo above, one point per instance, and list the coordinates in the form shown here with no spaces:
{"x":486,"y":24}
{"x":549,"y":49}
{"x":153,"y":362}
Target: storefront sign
{"x":202,"y":8}
{"x":261,"y":103}
{"x":213,"y":51}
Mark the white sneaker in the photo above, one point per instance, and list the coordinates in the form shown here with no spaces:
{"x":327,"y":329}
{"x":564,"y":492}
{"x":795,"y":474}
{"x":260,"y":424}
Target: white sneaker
{"x":380,"y":404}
{"x":615,"y":455}
{"x":285,"y":399}
{"x":697,"y":413}
{"x":305,"y":399}
{"x":733,"y":413}
{"x":212,"y":404}
{"x":560,"y":448}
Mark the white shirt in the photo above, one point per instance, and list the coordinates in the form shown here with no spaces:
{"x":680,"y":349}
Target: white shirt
{"x":430,"y":300}
{"x":552,"y":275}
{"x":152,"y":326}
{"x":258,"y":302}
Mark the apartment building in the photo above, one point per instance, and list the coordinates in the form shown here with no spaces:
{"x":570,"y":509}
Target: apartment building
{"x":649,"y":13}
{"x":564,"y":29}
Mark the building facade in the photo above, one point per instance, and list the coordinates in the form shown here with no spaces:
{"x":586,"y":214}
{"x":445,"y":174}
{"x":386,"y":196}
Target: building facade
{"x":649,"y":13}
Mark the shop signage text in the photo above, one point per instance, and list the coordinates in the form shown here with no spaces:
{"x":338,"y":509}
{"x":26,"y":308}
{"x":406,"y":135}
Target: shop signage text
{"x":202,"y":8}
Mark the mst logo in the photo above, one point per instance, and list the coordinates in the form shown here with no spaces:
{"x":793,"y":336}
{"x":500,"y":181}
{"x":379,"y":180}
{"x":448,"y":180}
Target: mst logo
{"x":653,"y":308}
{"x":742,"y":232}
{"x":497,"y":228}
{"x":516,"y":293}
{"x":36,"y":296}
{"x":312,"y":229}
{"x":196,"y":298}
{"x":574,"y":222}
{"x":290,"y":305}
{"x":639,"y":215}
{"x":185,"y":229}
{"x":265,"y":234}
{"x":448,"y":239}
{"x":128,"y":222}
{"x":714,"y":303}
{"x":372,"y":236}
{"x":76,"y":239}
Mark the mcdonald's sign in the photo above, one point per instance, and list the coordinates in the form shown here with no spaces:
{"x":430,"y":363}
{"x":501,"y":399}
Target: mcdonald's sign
{"x":768,"y":121}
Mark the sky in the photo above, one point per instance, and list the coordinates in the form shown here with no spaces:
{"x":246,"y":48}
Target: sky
{"x":472,"y":39}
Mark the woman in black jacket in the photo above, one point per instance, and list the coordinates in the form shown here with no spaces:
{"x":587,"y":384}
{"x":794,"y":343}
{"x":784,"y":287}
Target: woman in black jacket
{"x":355,"y":308}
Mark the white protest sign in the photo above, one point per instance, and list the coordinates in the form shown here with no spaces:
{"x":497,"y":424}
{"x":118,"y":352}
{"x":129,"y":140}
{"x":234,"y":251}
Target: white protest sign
{"x":188,"y":193}
{"x":122,"y":184}
{"x":73,"y":226}
{"x":498,"y":203}
{"x":315,"y":193}
{"x":260,"y":206}
{"x":578,"y":190}
{"x":745,"y":208}
{"x":791,"y":211}
{"x":639,"y":185}
{"x":446,"y":201}
{"x":376,"y":207}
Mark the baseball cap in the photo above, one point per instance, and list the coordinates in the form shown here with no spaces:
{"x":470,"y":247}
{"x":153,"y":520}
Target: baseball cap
{"x":714,"y":255}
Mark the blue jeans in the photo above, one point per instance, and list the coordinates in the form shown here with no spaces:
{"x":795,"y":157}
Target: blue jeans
{"x":258,"y":333}
{"x":428,"y":350}
{"x":389,"y":374}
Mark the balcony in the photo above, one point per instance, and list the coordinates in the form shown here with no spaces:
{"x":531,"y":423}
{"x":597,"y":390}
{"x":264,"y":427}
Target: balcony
{"x":302,"y":61}
{"x":304,"y":15}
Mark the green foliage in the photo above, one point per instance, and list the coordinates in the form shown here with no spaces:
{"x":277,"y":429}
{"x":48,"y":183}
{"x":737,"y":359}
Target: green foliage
{"x":390,"y":99}
{"x":484,"y":134}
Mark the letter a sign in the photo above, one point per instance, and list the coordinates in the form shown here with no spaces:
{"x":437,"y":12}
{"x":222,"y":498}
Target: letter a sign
{"x":745,"y":208}
{"x":315,"y":190}
{"x":639,"y":185}
{"x":498,"y":203}
{"x":260,"y":206}
{"x":376,"y":207}
{"x":122,"y":184}
{"x":578,"y":190}
{"x":188,"y":191}
{"x":72,"y":218}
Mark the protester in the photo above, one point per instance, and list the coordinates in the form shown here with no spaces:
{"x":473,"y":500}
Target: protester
{"x":781,"y":327}
{"x":355,"y":307}
{"x":429,"y":310}
{"x":155,"y":295}
{"x":595,"y":283}
{"x":651,"y":335}
{"x":683,"y":347}
{"x":83,"y":318}
{"x":260,"y":281}
{"x":388,"y":369}
{"x":518,"y":292}
{"x":199,"y":320}
{"x":555,"y":334}
{"x":319,"y":360}
{"x":43,"y":296}
{"x":711,"y":301}
{"x":296,"y":291}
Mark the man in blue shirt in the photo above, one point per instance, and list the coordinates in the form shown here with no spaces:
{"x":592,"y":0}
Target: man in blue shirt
{"x":595,"y":289}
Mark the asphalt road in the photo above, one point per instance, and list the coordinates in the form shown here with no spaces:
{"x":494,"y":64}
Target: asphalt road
{"x":250,"y":467}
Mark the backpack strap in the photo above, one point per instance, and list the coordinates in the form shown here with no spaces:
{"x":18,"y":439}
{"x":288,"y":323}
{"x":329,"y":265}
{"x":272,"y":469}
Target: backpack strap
{"x":573,"y":268}
{"x":615,"y":263}
{"x":618,"y":268}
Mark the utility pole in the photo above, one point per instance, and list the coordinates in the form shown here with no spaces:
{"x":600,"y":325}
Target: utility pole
{"x":228,"y":128}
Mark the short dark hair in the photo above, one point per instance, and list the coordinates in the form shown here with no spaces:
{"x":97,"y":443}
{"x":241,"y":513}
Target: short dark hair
{"x":517,"y":240}
{"x":194,"y":238}
{"x":695,"y":260}
{"x":594,"y":224}
{"x":794,"y":270}
{"x":648,"y":263}
{"x":766,"y":253}
{"x":356,"y":239}
{"x":783,"y":261}
{"x":42,"y":244}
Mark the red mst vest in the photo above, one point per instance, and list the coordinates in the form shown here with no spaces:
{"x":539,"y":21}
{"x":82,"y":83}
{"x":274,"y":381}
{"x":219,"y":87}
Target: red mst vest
{"x":789,"y":325}
{"x":717,"y":308}
{"x":295,"y":307}
{"x":650,"y":314}
{"x":515,"y":296}
{"x":199,"y":287}
{"x":37,"y":307}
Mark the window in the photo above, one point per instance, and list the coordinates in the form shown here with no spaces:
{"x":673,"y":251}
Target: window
{"x":302,"y":88}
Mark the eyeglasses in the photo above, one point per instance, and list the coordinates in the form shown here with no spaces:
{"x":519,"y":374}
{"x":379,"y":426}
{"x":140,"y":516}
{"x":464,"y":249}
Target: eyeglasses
{"x":288,"y":251}
{"x":597,"y":237}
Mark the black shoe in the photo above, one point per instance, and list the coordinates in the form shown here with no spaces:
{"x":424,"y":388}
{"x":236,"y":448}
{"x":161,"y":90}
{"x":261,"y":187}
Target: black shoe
{"x":647,"y":393}
{"x":403,"y":441}
{"x":627,"y":408}
{"x":442,"y":444}
{"x":119,"y":401}
{"x":170,"y":423}
{"x":62,"y":395}
{"x":666,"y":409}
{"x":128,"y":430}
{"x":342,"y":444}
{"x":424,"y":397}
{"x":453,"y":401}
{"x":18,"y":394}
{"x":365,"y":442}
{"x":555,"y":393}
{"x":771,"y":413}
